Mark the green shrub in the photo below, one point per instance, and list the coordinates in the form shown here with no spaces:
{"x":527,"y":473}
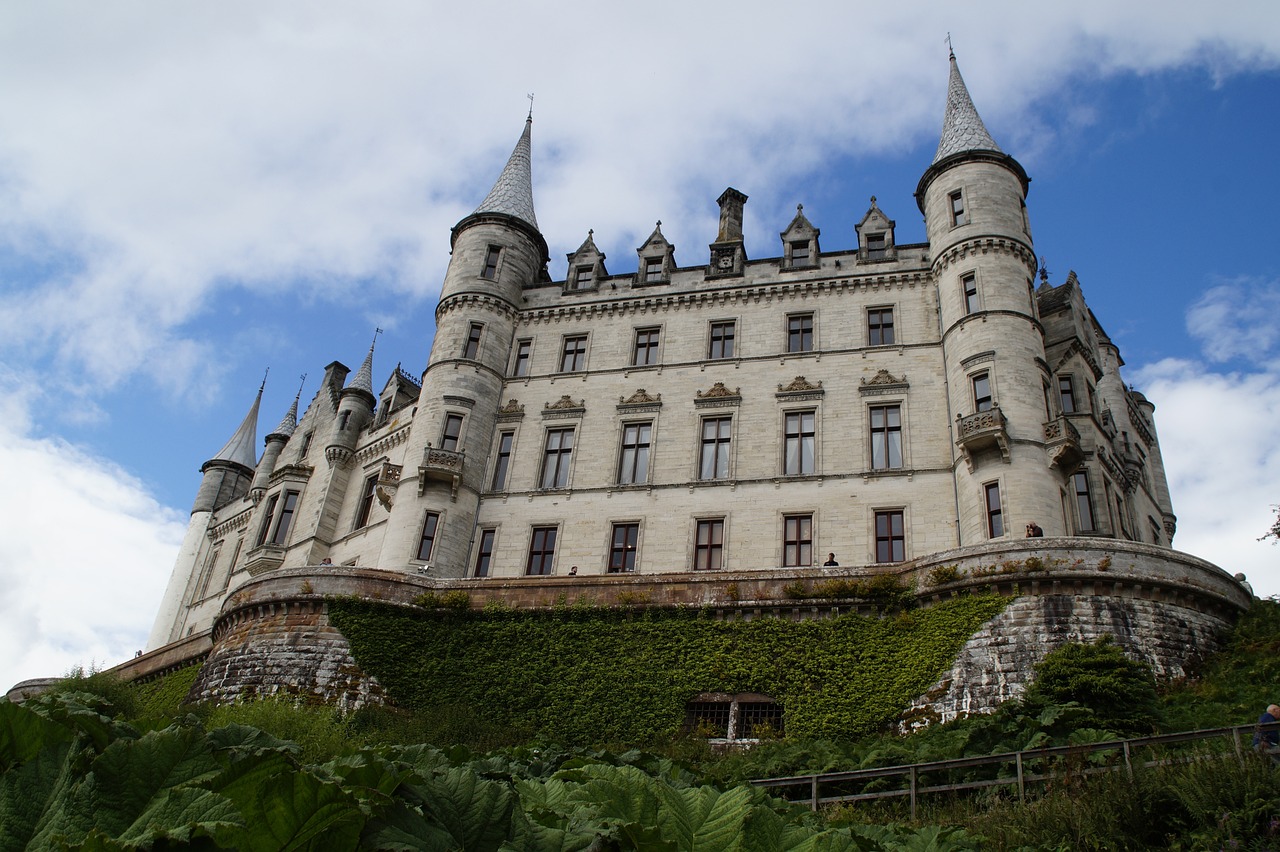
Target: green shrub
{"x":1119,"y":694}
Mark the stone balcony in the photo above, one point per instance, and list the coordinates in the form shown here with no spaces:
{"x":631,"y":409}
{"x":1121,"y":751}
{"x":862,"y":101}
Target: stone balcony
{"x":445,"y":465}
{"x":982,"y":431}
{"x":1062,"y":443}
{"x":264,"y":558}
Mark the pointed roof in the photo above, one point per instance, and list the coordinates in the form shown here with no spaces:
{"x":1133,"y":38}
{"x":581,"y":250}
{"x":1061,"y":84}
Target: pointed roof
{"x":242,"y":448}
{"x":962,"y":129}
{"x":290,"y":422}
{"x":363,"y":379}
{"x":513,"y":193}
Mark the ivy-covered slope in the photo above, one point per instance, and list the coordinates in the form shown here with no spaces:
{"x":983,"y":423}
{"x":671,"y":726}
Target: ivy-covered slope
{"x":582,"y":675}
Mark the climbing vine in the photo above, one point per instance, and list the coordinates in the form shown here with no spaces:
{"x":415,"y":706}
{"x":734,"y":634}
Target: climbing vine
{"x":598,"y":675}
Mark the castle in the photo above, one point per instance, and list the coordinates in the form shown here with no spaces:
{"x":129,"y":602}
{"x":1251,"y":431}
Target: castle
{"x":897,"y":406}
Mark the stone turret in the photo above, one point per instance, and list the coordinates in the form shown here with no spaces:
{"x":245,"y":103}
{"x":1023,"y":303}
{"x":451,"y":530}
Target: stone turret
{"x":983,"y":262}
{"x":274,"y":444}
{"x":497,"y":252}
{"x":226,"y":477}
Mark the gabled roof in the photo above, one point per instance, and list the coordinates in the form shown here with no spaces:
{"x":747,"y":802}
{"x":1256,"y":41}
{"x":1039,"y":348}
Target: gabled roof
{"x":513,"y":193}
{"x":962,"y":128}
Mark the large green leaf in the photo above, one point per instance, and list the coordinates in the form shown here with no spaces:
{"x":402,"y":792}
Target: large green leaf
{"x":402,"y":828}
{"x":476,"y":812}
{"x":703,"y":818}
{"x":29,"y":790}
{"x":24,"y":733}
{"x":292,"y":809}
{"x":243,"y":739}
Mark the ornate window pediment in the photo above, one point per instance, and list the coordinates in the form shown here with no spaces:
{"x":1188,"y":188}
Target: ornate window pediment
{"x":800,"y":388}
{"x":718,"y":394}
{"x":563,"y":408}
{"x":641,"y":400}
{"x":883,"y":382}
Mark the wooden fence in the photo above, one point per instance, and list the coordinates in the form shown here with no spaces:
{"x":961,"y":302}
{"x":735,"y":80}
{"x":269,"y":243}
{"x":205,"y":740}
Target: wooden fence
{"x":1011,"y":769}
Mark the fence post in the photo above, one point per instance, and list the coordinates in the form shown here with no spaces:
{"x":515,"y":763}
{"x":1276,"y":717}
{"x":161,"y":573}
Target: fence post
{"x":1235,"y":739}
{"x":913,"y":794}
{"x":813,"y":793}
{"x":1127,"y":764}
{"x":1022,"y":789}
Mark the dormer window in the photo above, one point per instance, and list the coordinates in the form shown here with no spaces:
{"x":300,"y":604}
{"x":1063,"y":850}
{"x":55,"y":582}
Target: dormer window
{"x":800,"y":243}
{"x":652,"y":269}
{"x":800,"y":253}
{"x":586,"y":266}
{"x":875,"y":246}
{"x":582,"y":278}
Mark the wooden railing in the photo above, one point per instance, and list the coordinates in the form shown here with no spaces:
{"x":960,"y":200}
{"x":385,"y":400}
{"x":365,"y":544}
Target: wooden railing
{"x":1011,"y":769}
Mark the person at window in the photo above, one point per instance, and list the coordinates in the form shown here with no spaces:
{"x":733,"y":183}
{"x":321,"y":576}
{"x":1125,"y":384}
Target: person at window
{"x":1034,"y":531}
{"x":326,"y":562}
{"x":1268,"y":740}
{"x":573,"y":572}
{"x":831,"y":561}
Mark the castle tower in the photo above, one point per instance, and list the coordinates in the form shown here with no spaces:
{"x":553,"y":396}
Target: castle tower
{"x":983,"y":264}
{"x":226,"y":477}
{"x":274,"y":443}
{"x":497,"y":251}
{"x":353,"y":413}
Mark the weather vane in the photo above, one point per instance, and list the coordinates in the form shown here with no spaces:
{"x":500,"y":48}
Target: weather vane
{"x":302,"y":381}
{"x":530,"y":97}
{"x":263,"y":386}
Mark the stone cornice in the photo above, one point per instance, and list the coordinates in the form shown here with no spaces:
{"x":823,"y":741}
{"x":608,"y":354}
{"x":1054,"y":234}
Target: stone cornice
{"x":382,"y":445}
{"x":231,"y":525}
{"x":469,"y":302}
{"x":985,"y":245}
{"x":649,"y":303}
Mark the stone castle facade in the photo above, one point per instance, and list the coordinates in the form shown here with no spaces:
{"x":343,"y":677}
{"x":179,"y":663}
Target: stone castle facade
{"x":734,"y":417}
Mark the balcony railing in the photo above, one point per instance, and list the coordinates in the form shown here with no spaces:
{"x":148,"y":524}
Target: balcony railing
{"x":982,"y":431}
{"x":445,"y":465}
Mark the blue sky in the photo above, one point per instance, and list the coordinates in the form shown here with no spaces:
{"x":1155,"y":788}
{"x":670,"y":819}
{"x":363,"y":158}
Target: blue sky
{"x":190,"y":195}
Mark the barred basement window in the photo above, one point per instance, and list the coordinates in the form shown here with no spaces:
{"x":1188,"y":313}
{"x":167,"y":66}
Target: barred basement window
{"x":747,"y":716}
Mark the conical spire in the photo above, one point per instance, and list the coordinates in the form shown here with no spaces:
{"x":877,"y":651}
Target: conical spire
{"x":290,"y":421}
{"x":513,"y":193}
{"x":363,"y":379}
{"x":242,"y":448}
{"x":962,"y":129}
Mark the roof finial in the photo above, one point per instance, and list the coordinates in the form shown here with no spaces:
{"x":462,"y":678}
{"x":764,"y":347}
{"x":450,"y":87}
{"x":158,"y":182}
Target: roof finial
{"x":302,"y":381}
{"x":530,"y":97}
{"x":263,"y":386}
{"x":1044,"y":270}
{"x":950,"y":48}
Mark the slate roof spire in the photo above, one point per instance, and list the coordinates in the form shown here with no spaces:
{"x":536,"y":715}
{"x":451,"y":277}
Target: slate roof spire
{"x":242,"y":448}
{"x":363,"y":379}
{"x":513,"y":193}
{"x":962,"y":129}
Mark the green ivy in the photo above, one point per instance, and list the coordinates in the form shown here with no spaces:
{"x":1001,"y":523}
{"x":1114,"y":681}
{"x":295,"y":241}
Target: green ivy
{"x":163,"y":697}
{"x":594,"y":675}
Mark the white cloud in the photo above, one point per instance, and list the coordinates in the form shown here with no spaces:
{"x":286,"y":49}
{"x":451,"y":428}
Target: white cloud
{"x":167,"y":154}
{"x":1218,"y":440}
{"x":80,"y":542}
{"x":1238,"y":320}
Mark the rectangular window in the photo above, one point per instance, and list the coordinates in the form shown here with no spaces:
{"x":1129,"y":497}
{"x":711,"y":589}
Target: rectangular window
{"x":491,"y":262}
{"x":708,"y":550}
{"x":503,"y":461}
{"x":713,"y":460}
{"x":451,"y":432}
{"x":800,"y":333}
{"x":622,"y":548}
{"x":472,"y":349}
{"x":287,"y":508}
{"x":428,"y":540}
{"x":484,"y":553}
{"x":880,"y":326}
{"x":959,"y":216}
{"x":970,"y":285}
{"x":633,"y":461}
{"x":573,"y":357}
{"x":542,"y":551}
{"x":556,"y":458}
{"x":995,"y":514}
{"x":582,"y":277}
{"x":524,"y":352}
{"x":982,"y":392}
{"x":722,"y":334}
{"x":797,"y":550}
{"x":1084,"y":503}
{"x":1066,"y":394}
{"x":653,"y":269}
{"x":267,"y":517}
{"x":876,"y":246}
{"x":645,"y":352}
{"x":891,"y":538}
{"x":800,"y":253}
{"x":365,"y":506}
{"x":306,"y":445}
{"x":886,"y":437}
{"x":801,"y":427}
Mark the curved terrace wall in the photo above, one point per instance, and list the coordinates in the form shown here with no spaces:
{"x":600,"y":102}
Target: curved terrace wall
{"x":1167,"y":608}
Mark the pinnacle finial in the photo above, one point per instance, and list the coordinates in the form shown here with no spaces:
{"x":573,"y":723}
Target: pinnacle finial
{"x":302,"y":382}
{"x":263,"y":386}
{"x":950,"y":48}
{"x":530,"y":97}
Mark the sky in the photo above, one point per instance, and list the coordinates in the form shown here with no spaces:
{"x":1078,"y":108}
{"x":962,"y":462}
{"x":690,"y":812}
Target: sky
{"x":192,"y":194}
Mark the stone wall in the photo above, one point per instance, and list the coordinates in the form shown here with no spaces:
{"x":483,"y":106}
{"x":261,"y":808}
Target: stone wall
{"x":1163,"y":607}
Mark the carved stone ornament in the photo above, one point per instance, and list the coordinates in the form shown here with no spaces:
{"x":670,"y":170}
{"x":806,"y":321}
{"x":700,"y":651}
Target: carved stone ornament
{"x":513,"y":410}
{"x":719,"y":391}
{"x":640,"y":397}
{"x":884,"y":377}
{"x":565,"y":402}
{"x":799,"y":384}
